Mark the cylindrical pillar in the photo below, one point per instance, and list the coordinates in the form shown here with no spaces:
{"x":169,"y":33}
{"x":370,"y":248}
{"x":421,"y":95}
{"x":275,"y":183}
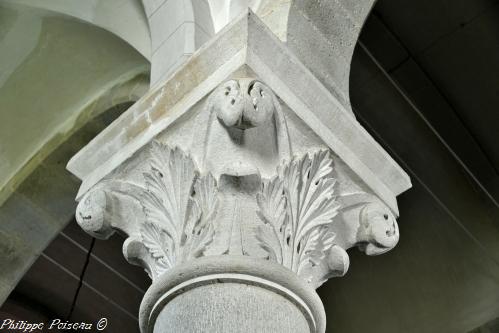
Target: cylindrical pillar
{"x":228,"y":294}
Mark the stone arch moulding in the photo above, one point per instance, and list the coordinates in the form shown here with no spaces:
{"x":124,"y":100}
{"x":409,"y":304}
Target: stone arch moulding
{"x":177,"y":29}
{"x":125,"y":19}
{"x":323,"y":35}
{"x":244,"y":184}
{"x":45,"y":195}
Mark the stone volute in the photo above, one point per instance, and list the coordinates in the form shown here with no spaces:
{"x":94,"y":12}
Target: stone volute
{"x":240,"y":183}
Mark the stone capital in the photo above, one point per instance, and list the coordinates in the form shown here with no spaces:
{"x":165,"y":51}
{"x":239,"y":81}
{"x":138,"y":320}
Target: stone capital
{"x":240,"y":179}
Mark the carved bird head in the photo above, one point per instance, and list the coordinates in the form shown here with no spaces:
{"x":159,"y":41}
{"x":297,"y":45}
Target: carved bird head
{"x":243,"y":103}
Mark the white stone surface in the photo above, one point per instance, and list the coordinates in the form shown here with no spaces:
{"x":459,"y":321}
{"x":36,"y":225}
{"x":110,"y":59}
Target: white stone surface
{"x":178,"y":28}
{"x":256,"y":197}
{"x":273,"y":12}
{"x":150,"y":6}
{"x":231,"y":308}
{"x":246,"y":41}
{"x":175,"y":50}
{"x":323,"y":35}
{"x":231,"y":294}
{"x":239,"y":173}
{"x":165,"y":20}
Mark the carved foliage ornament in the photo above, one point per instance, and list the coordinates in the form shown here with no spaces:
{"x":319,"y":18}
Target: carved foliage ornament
{"x":301,"y":217}
{"x":298,"y":206}
{"x":179,"y":206}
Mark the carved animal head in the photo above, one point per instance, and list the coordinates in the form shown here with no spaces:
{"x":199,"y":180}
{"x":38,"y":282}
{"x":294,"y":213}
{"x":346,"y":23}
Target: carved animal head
{"x":243,"y":103}
{"x":379,"y":229}
{"x":90,"y":214}
{"x":244,"y":116}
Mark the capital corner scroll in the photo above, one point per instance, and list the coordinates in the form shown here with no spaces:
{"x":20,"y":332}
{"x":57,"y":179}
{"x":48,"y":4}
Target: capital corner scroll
{"x":226,"y":200}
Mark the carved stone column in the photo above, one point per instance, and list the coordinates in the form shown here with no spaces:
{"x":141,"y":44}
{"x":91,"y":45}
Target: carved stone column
{"x":240,"y":183}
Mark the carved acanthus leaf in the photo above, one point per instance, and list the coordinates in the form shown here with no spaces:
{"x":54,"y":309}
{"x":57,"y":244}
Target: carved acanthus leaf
{"x":179,"y":207}
{"x":272,"y":204}
{"x":200,"y":229}
{"x":159,"y":244}
{"x":298,"y":206}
